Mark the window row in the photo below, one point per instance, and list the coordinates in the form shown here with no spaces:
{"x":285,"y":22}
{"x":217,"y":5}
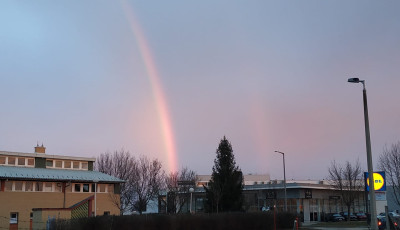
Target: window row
{"x":66,"y":164}
{"x":37,"y":186}
{"x":32,"y":186}
{"x":86,"y":187}
{"x":19,"y":161}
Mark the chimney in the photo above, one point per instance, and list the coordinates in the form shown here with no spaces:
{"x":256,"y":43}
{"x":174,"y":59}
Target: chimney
{"x":40,"y":149}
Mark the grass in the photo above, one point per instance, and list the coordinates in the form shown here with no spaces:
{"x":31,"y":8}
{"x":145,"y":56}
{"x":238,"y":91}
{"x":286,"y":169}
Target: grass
{"x":341,"y":224}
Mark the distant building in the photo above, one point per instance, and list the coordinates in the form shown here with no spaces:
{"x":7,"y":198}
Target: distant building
{"x":312,"y":200}
{"x":36,"y":186}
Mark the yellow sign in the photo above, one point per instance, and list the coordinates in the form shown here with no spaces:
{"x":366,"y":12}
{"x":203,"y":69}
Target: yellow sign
{"x":379,"y":181}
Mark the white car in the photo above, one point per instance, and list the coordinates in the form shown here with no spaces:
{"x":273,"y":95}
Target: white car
{"x":381,"y":215}
{"x":394,"y":214}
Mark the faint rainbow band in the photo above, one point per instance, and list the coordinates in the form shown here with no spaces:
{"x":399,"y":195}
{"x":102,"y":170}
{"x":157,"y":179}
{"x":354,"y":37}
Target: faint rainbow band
{"x":155,"y":82}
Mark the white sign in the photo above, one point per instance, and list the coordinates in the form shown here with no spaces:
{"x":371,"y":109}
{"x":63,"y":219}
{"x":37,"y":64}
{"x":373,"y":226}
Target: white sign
{"x":379,"y":196}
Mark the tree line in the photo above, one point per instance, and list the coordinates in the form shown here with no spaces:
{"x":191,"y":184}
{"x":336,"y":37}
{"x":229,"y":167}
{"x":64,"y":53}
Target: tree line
{"x":145,"y":179}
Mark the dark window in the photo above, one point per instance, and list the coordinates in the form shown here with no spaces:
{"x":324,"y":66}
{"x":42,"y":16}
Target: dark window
{"x":8,"y":186}
{"x":2,"y":160}
{"x":29,"y":186}
{"x":58,"y":164}
{"x":11,"y":160}
{"x":39,"y":186}
{"x":18,"y":185}
{"x":107,"y":213}
{"x":85,"y":187}
{"x":77,"y":188}
{"x":21,"y":161}
{"x":93,"y":188}
{"x":84,"y":165}
{"x":31,"y":161}
{"x":75,"y":165}
{"x":49,"y":163}
{"x":67,"y":164}
{"x":14,"y":218}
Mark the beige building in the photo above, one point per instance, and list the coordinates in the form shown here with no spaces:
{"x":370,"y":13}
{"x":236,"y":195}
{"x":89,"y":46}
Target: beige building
{"x":35,"y":187}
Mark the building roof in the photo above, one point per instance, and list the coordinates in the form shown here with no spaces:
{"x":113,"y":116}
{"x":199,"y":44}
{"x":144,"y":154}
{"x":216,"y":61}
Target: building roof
{"x":48,"y":156}
{"x":42,"y":174}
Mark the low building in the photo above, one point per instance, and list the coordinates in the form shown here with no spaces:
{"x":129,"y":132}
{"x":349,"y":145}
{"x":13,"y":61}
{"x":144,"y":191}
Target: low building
{"x":312,"y":200}
{"x":37,"y":186}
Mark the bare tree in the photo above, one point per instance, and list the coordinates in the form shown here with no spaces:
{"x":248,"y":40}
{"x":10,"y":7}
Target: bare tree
{"x":347,"y":179}
{"x":120,"y":165}
{"x":389,"y":161}
{"x":147,"y":181}
{"x":178,"y":185}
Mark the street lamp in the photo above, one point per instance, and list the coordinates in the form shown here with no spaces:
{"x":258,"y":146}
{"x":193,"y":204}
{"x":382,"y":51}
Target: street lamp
{"x":284,"y":177}
{"x":374,"y":224}
{"x":191,"y":190}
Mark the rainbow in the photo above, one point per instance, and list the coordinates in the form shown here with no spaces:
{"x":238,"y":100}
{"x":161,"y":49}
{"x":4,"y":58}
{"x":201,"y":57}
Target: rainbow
{"x":155,"y":82}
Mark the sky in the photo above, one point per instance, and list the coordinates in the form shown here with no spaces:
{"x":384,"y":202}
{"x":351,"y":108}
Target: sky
{"x":170,"y":79}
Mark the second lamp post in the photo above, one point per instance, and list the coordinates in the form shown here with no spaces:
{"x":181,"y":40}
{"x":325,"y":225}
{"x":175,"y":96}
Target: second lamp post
{"x":284,"y":177}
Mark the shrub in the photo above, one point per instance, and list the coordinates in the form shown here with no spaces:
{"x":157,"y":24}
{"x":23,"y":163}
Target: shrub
{"x":222,"y":221}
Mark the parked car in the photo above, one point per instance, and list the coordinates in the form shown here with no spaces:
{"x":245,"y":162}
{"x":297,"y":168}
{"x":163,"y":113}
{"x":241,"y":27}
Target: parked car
{"x":335,"y":217}
{"x":352,"y":216}
{"x":381,"y":215}
{"x":381,"y":223}
{"x":394,"y":214}
{"x":361,"y":216}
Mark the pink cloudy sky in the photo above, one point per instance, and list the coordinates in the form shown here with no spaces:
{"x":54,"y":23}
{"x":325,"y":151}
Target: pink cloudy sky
{"x":169,"y":79}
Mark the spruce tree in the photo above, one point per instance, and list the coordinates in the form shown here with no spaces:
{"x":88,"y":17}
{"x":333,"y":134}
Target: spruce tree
{"x":224,"y":191}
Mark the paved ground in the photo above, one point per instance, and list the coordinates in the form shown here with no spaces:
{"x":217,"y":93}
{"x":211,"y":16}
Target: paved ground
{"x":311,"y":226}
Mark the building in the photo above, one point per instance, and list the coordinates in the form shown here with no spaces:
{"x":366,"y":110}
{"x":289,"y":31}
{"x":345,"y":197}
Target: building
{"x":310,"y":199}
{"x":36,"y":186}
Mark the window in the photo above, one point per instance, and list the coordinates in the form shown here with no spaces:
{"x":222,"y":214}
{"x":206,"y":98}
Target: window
{"x":18,"y":186}
{"x":11,"y":160}
{"x":76,"y":165}
{"x":58,"y":164}
{"x":84,"y":165}
{"x":8,"y":185}
{"x":49,"y":163}
{"x":48,"y":187}
{"x":94,"y":188}
{"x":85,"y":187}
{"x":29,"y":186}
{"x":77,"y":188}
{"x":31,"y":161}
{"x":21,"y":161}
{"x":67,"y":164}
{"x":2,"y":160}
{"x":107,"y":213}
{"x":14,"y":218}
{"x":39,"y":186}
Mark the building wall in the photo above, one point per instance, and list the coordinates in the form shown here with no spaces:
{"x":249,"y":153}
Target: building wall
{"x":24,"y":202}
{"x":40,"y":217}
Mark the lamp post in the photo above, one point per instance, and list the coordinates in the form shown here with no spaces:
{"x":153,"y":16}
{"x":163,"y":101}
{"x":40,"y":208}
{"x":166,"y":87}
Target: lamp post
{"x":284,"y":177}
{"x":191,"y":190}
{"x":374,"y":224}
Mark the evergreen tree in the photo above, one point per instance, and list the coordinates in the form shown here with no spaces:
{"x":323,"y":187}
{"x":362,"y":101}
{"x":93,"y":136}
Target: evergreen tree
{"x":224,"y":191}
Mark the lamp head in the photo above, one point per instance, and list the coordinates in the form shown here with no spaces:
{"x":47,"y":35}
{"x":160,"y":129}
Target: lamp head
{"x":354,"y":80}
